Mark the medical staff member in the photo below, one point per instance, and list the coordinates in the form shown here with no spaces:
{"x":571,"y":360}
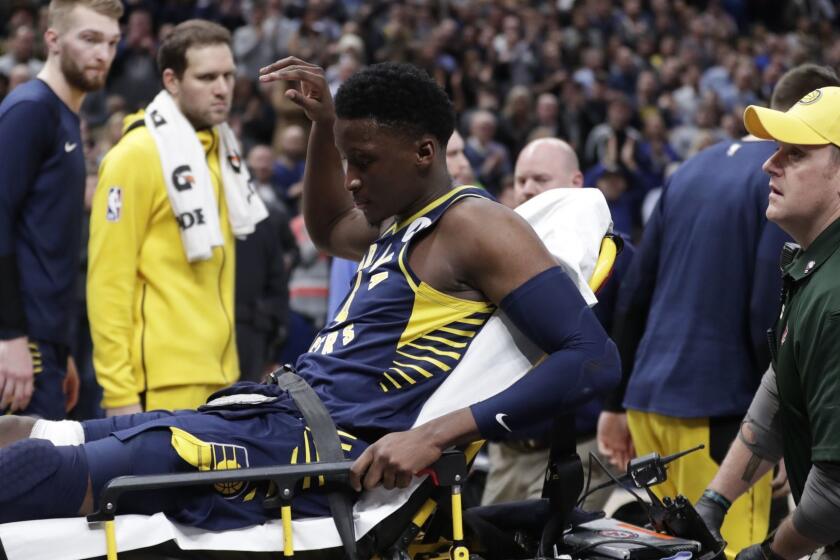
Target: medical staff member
{"x":693,"y":312}
{"x":794,"y":413}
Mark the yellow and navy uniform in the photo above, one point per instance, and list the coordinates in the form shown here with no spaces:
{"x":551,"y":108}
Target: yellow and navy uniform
{"x":394,"y":338}
{"x":269,"y":432}
{"x":160,"y":324}
{"x":391,"y":345}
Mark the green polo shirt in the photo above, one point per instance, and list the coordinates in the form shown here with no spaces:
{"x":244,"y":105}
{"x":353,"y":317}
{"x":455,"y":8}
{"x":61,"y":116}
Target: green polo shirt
{"x":808,"y":358}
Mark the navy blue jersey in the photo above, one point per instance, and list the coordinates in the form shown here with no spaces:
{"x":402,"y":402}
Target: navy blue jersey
{"x":42,"y":182}
{"x":708,"y":266}
{"x":394,"y":338}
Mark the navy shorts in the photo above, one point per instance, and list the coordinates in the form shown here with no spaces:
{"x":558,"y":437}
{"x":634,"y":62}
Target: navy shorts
{"x":49,"y":362}
{"x":190,"y":441}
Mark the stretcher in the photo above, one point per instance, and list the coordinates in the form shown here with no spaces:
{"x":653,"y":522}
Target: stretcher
{"x":575,"y":226}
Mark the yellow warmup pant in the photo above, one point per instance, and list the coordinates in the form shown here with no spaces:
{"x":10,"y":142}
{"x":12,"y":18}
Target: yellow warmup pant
{"x":179,"y":397}
{"x":748,"y":518}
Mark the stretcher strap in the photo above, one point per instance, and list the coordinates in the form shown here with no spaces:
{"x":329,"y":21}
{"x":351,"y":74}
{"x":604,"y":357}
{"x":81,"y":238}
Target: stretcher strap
{"x":328,"y":447}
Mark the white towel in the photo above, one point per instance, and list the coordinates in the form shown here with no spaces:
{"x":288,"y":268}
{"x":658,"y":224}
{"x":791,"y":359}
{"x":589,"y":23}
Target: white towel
{"x":188,"y":182}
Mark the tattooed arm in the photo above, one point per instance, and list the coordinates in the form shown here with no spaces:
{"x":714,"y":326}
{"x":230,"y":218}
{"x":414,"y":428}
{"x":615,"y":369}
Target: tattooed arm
{"x":758,"y":446}
{"x":739,"y":471}
{"x":755,"y":451}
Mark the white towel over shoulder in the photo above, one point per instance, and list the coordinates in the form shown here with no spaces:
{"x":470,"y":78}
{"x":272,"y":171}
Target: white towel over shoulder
{"x":188,"y":182}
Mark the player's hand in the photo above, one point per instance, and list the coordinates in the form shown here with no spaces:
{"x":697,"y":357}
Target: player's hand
{"x":614,"y":439}
{"x":314,"y":94}
{"x":393,"y":460}
{"x":70,"y":387}
{"x":16,"y":374}
{"x":122,"y":410}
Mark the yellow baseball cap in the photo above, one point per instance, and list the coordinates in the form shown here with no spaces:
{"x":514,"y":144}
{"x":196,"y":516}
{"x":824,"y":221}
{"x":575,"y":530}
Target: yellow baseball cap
{"x":813,"y":120}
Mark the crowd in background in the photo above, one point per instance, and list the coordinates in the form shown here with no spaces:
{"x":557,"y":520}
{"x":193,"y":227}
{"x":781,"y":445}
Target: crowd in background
{"x":635,"y":86}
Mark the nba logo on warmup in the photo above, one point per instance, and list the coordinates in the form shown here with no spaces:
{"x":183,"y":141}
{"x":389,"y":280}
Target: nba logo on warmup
{"x":114,"y":209}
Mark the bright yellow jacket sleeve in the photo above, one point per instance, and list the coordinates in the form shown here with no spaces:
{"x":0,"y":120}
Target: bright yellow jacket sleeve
{"x":122,"y":207}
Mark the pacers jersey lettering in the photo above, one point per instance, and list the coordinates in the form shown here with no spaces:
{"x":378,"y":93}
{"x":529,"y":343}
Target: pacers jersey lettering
{"x":394,"y":338}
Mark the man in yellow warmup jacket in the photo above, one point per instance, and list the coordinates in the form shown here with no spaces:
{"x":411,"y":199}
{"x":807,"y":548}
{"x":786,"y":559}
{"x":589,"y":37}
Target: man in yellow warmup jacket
{"x":161,"y":273}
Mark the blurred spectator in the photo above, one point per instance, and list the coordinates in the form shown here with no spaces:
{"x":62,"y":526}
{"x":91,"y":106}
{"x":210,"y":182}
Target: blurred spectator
{"x":617,"y":127}
{"x":653,"y":152}
{"x":108,"y":136}
{"x":548,"y":115}
{"x":252,"y":115}
{"x":614,"y":183}
{"x":347,"y":65}
{"x":396,"y":35}
{"x":624,"y":71}
{"x":704,"y":129}
{"x":646,"y":93}
{"x":517,"y":119}
{"x":135,"y":75}
{"x":743,"y":87}
{"x":552,"y":73}
{"x":308,"y":295}
{"x":21,"y":50}
{"x":633,"y":23}
{"x":515,"y":61}
{"x":489,"y":159}
{"x":311,"y":40}
{"x":264,"y":38}
{"x":592,"y":62}
{"x":261,"y":164}
{"x":457,"y":163}
{"x":228,"y":13}
{"x":686,"y":98}
{"x":288,"y":170}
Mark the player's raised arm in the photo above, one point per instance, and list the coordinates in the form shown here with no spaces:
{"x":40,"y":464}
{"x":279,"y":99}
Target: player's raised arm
{"x":332,"y":219}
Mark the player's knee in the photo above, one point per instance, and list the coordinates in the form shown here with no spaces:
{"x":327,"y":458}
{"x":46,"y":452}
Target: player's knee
{"x":48,"y":481}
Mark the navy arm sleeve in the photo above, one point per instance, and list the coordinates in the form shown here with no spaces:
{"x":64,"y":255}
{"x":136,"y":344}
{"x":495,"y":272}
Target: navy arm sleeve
{"x":25,"y":131}
{"x":581,"y":360}
{"x":633,"y":304}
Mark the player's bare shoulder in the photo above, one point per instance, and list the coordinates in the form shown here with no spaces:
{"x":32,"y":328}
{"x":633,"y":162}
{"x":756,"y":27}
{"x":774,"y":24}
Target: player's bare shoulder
{"x":491,"y":248}
{"x":478,"y":221}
